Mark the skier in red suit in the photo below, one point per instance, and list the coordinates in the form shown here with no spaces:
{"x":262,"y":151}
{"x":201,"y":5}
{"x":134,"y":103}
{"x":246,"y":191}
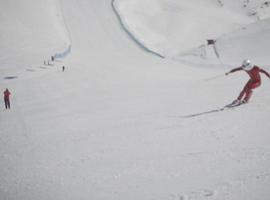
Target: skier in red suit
{"x":6,"y":98}
{"x":254,"y":81}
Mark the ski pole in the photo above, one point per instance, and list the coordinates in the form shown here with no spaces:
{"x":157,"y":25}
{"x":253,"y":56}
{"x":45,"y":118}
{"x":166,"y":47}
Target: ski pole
{"x":214,"y":77}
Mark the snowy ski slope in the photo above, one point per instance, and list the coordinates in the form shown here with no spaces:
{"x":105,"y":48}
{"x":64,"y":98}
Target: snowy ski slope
{"x":112,"y":125}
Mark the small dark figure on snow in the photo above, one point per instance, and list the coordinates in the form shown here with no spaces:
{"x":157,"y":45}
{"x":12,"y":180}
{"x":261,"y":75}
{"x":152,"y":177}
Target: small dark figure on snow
{"x":63,"y":68}
{"x":255,"y":80}
{"x":52,"y":58}
{"x":6,"y":98}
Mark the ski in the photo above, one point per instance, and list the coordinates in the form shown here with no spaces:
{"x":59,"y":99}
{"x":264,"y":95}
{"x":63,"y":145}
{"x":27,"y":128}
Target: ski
{"x":232,"y":105}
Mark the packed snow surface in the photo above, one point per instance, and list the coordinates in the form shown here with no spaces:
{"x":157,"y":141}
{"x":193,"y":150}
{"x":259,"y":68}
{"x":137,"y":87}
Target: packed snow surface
{"x":121,"y":123}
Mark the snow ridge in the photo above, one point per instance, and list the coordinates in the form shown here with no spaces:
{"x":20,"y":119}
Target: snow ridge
{"x":135,"y":39}
{"x":63,"y":29}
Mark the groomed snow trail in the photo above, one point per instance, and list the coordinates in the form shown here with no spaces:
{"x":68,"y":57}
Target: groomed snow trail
{"x":109,"y":128}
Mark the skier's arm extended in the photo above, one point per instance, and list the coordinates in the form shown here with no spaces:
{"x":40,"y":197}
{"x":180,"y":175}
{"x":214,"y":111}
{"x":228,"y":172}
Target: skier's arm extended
{"x":234,"y":70}
{"x":265,"y":72}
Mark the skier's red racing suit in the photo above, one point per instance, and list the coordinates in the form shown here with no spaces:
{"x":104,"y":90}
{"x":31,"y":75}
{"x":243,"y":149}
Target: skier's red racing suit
{"x":6,"y":99}
{"x":254,"y":81}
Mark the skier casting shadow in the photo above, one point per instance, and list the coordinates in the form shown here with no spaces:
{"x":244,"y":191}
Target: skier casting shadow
{"x":255,"y":80}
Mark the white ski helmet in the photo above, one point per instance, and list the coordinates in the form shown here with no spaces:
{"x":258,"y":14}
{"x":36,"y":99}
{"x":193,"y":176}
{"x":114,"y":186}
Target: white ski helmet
{"x":247,"y":65}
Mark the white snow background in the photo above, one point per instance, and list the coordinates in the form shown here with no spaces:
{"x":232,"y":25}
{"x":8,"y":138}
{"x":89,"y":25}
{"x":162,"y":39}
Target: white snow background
{"x":112,"y":126}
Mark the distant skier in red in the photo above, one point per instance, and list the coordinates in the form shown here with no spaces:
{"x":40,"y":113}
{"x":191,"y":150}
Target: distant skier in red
{"x":254,"y":81}
{"x":6,"y":98}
